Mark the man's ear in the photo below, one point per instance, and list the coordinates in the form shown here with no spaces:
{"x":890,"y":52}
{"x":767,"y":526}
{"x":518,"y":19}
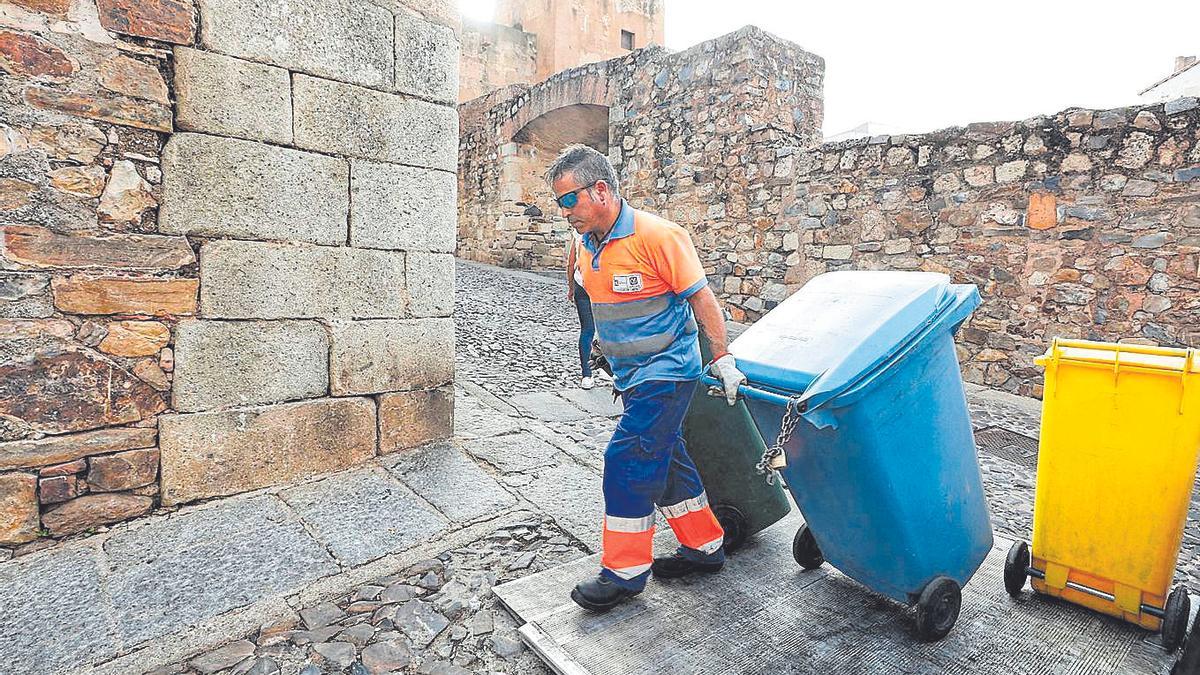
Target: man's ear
{"x":604,"y":190}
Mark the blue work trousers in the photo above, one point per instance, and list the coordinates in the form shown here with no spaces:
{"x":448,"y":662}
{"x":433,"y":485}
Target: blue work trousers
{"x":645,"y":465}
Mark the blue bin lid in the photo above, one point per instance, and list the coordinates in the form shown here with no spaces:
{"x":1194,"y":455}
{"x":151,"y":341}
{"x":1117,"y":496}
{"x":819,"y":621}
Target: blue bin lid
{"x":838,"y":328}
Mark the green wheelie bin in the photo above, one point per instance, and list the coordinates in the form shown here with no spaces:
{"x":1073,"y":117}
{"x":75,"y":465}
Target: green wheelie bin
{"x":726,"y":447}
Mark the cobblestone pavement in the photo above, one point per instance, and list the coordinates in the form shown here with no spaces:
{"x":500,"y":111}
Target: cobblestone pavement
{"x":537,"y":439}
{"x":516,"y":332}
{"x":438,"y":617}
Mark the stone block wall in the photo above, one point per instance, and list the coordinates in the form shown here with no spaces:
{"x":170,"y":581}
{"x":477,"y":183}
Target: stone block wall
{"x":493,"y":57}
{"x":226,"y":236}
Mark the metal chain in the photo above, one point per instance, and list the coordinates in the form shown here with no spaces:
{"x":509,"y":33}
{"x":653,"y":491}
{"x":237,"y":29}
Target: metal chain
{"x":791,"y":417}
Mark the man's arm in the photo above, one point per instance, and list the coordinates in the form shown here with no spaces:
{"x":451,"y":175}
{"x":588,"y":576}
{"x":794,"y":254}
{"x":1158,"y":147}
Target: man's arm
{"x":711,"y":319}
{"x":712,"y":322}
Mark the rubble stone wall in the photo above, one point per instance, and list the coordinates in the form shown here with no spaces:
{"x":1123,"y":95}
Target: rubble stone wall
{"x":215,"y":221}
{"x":1083,"y":224}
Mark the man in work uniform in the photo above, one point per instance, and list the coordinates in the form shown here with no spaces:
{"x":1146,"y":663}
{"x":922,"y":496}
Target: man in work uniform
{"x":648,"y":290}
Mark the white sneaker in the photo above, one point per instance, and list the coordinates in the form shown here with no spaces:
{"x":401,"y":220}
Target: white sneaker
{"x":587,"y":382}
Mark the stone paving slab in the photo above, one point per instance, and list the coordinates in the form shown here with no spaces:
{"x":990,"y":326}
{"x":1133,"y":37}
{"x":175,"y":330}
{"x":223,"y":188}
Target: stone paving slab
{"x":52,"y":613}
{"x":597,"y":402}
{"x":155,"y":579}
{"x":591,"y":457}
{"x":472,"y":419}
{"x":764,"y":614}
{"x":570,"y":494}
{"x":590,"y":439}
{"x":175,"y":571}
{"x":547,"y":407}
{"x":364,"y":514}
{"x":513,"y":453}
{"x":442,"y":475}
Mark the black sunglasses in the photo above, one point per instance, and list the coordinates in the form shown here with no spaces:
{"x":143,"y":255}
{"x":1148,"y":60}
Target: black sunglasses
{"x":568,"y":200}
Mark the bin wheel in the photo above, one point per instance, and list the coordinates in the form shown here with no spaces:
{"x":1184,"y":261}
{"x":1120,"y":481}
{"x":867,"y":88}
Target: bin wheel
{"x":737,"y":528}
{"x":1175,"y":616}
{"x":1189,"y":660}
{"x":1016,"y":567}
{"x":805,"y":549}
{"x":937,"y":608}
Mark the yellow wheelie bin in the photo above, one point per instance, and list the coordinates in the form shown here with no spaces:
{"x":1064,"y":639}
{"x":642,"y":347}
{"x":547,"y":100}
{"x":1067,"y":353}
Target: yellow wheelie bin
{"x":1116,"y":462}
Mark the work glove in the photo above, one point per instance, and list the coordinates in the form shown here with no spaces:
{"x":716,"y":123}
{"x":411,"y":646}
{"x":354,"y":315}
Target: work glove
{"x":731,"y":378}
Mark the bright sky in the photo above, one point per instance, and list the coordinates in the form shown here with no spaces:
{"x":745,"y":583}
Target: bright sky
{"x":920,"y":66}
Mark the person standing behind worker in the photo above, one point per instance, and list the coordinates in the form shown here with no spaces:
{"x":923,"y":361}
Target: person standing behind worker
{"x":583,"y":307}
{"x":648,"y":290}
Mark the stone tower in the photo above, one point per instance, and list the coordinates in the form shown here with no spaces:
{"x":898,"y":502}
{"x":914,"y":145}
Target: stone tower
{"x":530,"y":40}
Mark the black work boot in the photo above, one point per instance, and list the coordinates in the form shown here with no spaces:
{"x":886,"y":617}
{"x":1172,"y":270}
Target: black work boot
{"x":600,"y":594}
{"x":680,"y":564}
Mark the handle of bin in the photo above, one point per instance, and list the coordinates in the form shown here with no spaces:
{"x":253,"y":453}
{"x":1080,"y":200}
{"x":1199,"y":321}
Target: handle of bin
{"x":750,"y":392}
{"x":1055,"y":351}
{"x":1122,"y":348}
{"x":1051,"y":358}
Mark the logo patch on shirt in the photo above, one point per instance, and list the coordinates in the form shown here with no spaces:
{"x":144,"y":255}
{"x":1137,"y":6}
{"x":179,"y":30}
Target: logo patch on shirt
{"x":627,"y":283}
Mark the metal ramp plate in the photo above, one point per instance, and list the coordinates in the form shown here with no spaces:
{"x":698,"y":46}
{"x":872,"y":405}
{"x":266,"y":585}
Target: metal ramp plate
{"x":762,"y":614}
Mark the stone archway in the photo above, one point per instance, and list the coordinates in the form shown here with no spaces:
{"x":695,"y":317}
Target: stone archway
{"x":508,"y":215}
{"x":540,"y":141}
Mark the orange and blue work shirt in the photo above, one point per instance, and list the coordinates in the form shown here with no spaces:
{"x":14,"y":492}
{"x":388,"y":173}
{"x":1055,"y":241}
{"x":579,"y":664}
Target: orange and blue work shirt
{"x":639,"y":280}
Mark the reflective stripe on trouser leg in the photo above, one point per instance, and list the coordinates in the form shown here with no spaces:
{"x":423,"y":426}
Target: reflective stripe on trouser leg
{"x":636,"y":466}
{"x":685,"y":505}
{"x":695,"y":525}
{"x":624,"y":548}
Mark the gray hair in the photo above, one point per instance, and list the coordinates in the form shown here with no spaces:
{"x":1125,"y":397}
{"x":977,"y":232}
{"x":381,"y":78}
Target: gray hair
{"x":586,"y":165}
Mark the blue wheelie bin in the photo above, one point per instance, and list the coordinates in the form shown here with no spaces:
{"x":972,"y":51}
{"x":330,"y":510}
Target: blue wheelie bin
{"x":856,"y":378}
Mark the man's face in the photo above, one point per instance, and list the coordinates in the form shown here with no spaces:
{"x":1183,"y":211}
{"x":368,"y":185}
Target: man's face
{"x":589,"y":214}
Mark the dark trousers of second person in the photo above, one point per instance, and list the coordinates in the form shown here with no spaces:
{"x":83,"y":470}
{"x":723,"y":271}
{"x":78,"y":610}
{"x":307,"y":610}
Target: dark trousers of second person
{"x":587,"y":327}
